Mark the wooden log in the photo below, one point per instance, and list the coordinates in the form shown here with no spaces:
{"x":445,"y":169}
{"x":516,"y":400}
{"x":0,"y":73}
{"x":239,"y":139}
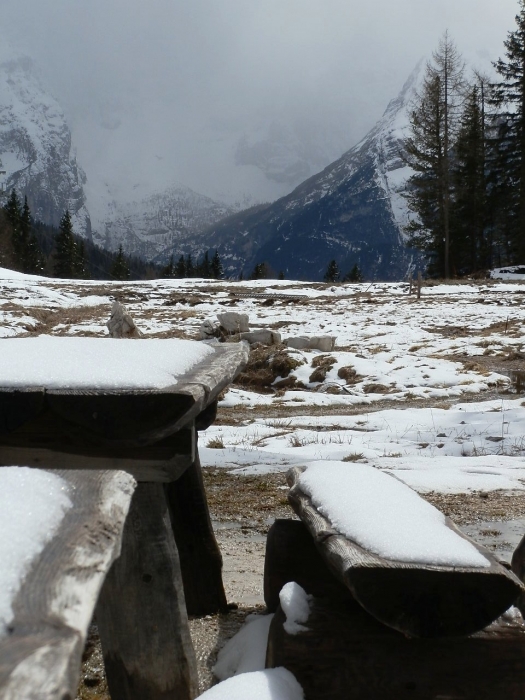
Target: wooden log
{"x":291,"y":555}
{"x":41,"y":655}
{"x":348,"y":655}
{"x":419,"y":600}
{"x":141,"y":613}
{"x":48,"y":442}
{"x":200,"y":556}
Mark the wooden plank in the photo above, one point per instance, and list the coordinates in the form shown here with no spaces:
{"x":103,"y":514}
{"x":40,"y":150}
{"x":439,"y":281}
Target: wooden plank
{"x":200,"y":556}
{"x":291,"y":555}
{"x":348,"y":655}
{"x":416,"y":599}
{"x":41,"y":656}
{"x":46,"y":443}
{"x":141,"y":613}
{"x":136,"y":417}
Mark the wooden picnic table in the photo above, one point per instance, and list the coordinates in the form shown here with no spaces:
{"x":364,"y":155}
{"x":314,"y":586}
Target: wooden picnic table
{"x":102,"y":427}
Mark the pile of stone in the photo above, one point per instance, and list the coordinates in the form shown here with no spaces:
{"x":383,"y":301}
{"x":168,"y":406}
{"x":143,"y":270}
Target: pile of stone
{"x":231,"y":325}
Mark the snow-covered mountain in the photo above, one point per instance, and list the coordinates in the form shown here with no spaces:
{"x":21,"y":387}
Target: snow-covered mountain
{"x":166,"y":221}
{"x":35,"y":147}
{"x":353,"y":211}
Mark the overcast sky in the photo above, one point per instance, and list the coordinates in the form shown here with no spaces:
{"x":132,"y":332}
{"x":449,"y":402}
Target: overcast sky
{"x":170,"y":65}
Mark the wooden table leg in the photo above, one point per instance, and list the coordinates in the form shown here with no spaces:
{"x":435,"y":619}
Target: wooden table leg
{"x":141,"y":614}
{"x":200,"y":556}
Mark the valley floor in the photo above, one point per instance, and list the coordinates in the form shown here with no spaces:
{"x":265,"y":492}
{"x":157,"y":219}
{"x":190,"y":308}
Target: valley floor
{"x":429,"y":391}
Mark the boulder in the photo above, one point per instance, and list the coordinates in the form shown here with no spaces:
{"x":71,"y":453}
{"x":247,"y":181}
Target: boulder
{"x":263,"y":336}
{"x":120,"y":324}
{"x":233,"y":322}
{"x":299,"y":343}
{"x":209,"y":329}
{"x":325,"y":343}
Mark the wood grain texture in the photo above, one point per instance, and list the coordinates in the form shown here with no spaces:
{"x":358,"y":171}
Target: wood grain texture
{"x":41,"y":654}
{"x":417,"y":599}
{"x":141,"y":613}
{"x":200,"y":556}
{"x":46,"y":443}
{"x":348,"y":655}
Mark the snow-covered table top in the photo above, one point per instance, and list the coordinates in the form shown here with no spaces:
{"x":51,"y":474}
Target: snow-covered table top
{"x":100,"y":364}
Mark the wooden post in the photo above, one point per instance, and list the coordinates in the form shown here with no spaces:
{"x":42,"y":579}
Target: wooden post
{"x":291,"y":555}
{"x":141,"y":613}
{"x":200,"y":556}
{"x":419,"y":284}
{"x":410,"y":284}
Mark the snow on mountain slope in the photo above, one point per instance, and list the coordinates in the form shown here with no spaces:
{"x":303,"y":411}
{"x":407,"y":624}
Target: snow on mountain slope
{"x":166,"y":220}
{"x":353,"y":211}
{"x":35,"y":147}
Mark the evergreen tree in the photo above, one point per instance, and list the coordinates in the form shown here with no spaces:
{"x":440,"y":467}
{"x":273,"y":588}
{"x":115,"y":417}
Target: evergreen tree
{"x":429,"y":149}
{"x":508,"y":176}
{"x":354,"y":275}
{"x":205,"y":266}
{"x":260,"y":271}
{"x":120,"y":269}
{"x":31,"y":257}
{"x":65,"y":248}
{"x":469,"y":250}
{"x":169,"y":270}
{"x":14,"y":214}
{"x":190,"y":267}
{"x":80,"y":263}
{"x":180,"y":268}
{"x":332,"y":272}
{"x":216,"y":267}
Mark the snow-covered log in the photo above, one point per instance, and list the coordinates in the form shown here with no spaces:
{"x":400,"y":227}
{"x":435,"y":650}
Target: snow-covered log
{"x":440,"y":585}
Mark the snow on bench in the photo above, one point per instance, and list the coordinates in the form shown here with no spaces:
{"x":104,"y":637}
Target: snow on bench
{"x":109,"y":401}
{"x":403,"y":561}
{"x":60,"y":533}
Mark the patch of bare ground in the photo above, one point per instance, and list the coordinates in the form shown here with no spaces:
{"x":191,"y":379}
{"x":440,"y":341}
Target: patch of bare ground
{"x":49,"y":319}
{"x":237,"y":415}
{"x":479,"y":506}
{"x":248,"y":500}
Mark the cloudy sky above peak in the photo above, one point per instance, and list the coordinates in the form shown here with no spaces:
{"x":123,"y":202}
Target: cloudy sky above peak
{"x":163,"y":90}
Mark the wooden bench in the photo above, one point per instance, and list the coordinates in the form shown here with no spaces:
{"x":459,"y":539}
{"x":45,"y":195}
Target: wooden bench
{"x":170,"y":564}
{"x":380,"y":628}
{"x":40,"y":654}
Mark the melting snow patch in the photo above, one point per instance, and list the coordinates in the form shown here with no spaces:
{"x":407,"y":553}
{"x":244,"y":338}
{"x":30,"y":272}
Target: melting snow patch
{"x":271,"y":684}
{"x":246,"y":651}
{"x":295,"y":603}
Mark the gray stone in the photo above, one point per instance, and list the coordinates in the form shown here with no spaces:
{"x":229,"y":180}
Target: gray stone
{"x":325,"y":343}
{"x":299,"y":343}
{"x":209,"y":329}
{"x":233,"y":322}
{"x":263,"y":336}
{"x":120,"y":324}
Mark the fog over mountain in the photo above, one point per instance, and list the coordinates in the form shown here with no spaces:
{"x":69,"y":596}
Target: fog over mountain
{"x":238,"y":101}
